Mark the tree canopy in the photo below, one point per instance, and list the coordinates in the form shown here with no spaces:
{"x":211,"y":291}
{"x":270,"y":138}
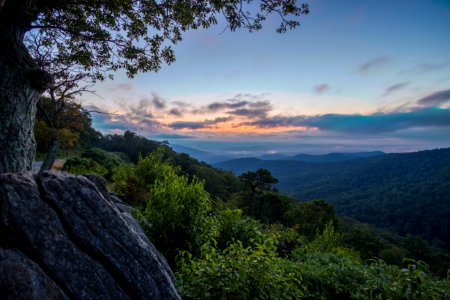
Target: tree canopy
{"x":98,"y":38}
{"x":103,"y":36}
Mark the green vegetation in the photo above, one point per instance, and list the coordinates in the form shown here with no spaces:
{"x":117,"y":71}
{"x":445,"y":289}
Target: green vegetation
{"x":180,"y":215}
{"x":71,"y":127}
{"x":240,"y":272}
{"x":218,"y":183}
{"x":254,"y":242}
{"x":406,"y":193}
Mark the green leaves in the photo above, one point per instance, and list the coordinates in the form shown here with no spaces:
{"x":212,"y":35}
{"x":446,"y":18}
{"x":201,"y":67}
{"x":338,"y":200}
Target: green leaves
{"x":180,"y":213}
{"x":103,"y":36}
{"x":240,"y":272}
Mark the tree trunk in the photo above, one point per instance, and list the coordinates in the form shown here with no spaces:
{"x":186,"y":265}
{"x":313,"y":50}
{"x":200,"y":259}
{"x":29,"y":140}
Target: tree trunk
{"x":50,"y":156}
{"x":21,"y":83}
{"x":17,"y":113}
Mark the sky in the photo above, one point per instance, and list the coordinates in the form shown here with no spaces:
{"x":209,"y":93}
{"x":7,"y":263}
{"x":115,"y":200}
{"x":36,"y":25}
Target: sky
{"x":355,"y":76}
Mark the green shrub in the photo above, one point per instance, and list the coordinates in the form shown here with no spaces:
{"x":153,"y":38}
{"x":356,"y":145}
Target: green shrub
{"x":332,"y":276}
{"x":310,"y":217}
{"x":81,"y":166}
{"x":329,"y":241}
{"x":236,"y":227}
{"x":288,"y":239}
{"x":179,"y":212}
{"x":240,"y":273}
{"x":133,"y":182}
{"x":108,"y":160}
{"x":414,"y":281}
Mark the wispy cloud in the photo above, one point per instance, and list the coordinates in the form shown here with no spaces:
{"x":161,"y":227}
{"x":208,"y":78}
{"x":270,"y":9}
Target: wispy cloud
{"x":158,"y":102}
{"x":142,"y":109}
{"x":321,"y":88}
{"x":435,"y":99}
{"x":362,"y":124}
{"x":253,"y":110}
{"x":245,"y":116}
{"x":126,"y":87}
{"x":373,"y":64}
{"x":219,"y":106}
{"x":195,"y":125}
{"x":238,"y":102}
{"x":175,"y":112}
{"x":425,"y":68}
{"x":394,"y":88}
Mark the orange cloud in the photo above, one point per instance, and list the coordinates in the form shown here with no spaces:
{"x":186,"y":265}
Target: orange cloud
{"x":230,"y":127}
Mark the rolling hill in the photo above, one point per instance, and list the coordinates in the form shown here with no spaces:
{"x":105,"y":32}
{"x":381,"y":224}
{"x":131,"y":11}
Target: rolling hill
{"x":408,"y":193}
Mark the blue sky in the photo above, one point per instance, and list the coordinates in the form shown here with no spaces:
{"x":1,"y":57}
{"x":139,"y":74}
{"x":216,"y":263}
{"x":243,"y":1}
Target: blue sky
{"x":356,"y":75}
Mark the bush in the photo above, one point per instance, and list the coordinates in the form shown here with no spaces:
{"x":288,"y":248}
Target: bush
{"x":414,"y":281}
{"x":235,"y":227}
{"x":240,"y":273}
{"x":331,"y":276}
{"x":133,"y":182}
{"x":81,"y":166}
{"x":310,"y":217}
{"x":288,"y":239}
{"x":180,"y":215}
{"x":108,"y":160}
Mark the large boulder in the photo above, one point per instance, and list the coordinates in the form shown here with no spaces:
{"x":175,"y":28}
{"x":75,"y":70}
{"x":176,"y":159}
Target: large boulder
{"x":64,"y":237}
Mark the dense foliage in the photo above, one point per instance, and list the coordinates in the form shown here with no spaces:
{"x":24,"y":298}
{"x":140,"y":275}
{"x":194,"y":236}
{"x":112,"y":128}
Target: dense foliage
{"x":407,"y":193}
{"x":217,"y":183}
{"x":180,"y":215}
{"x":71,"y":126}
{"x":257,"y":243}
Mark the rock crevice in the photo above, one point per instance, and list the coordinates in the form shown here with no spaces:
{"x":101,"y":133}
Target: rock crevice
{"x":77,"y":239}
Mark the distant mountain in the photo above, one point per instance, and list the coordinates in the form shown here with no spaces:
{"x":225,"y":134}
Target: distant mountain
{"x":320,"y":157}
{"x":200,"y":155}
{"x":334,"y":156}
{"x":275,"y":156}
{"x":406,"y":192}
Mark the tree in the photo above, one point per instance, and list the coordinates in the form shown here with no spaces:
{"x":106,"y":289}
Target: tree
{"x":101,"y":37}
{"x":260,"y":193}
{"x":61,"y":124}
{"x":262,"y":179}
{"x":59,"y":106}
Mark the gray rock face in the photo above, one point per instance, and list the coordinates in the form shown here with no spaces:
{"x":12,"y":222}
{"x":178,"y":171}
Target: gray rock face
{"x":62,"y":238}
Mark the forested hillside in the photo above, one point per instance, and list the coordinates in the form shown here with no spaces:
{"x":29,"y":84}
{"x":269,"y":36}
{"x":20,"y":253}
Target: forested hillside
{"x":407,"y":193}
{"x":228,"y":233}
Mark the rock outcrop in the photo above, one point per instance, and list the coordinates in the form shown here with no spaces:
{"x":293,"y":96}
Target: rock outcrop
{"x":66,"y":237}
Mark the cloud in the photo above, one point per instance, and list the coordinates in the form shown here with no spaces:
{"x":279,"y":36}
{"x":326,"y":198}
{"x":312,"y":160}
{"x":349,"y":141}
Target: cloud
{"x":363,"y":124}
{"x":173,"y":136}
{"x":136,"y":117}
{"x":242,"y":104}
{"x":195,"y":125}
{"x":93,"y":109}
{"x":219,"y":106}
{"x":373,"y":64}
{"x":253,"y":110}
{"x":435,"y":99}
{"x":321,"y":88}
{"x":175,"y":112}
{"x":425,"y":68}
{"x":142,"y":109}
{"x":181,"y":104}
{"x":394,"y":87}
{"x":158,"y":102}
{"x":127,"y":87}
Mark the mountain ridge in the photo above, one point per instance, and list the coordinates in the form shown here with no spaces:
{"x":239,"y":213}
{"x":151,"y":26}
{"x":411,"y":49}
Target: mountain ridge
{"x":408,"y":193}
